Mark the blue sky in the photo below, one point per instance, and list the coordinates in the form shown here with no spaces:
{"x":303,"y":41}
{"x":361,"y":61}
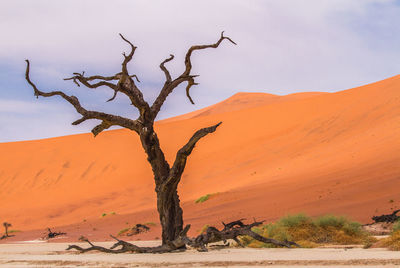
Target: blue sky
{"x":283,"y":47}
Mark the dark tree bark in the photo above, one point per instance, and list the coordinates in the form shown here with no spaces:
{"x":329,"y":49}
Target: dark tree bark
{"x":50,"y":234}
{"x":166,"y":178}
{"x":390,"y":218}
{"x":232,"y":230}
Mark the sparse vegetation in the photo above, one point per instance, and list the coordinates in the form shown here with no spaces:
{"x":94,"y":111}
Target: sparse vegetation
{"x":203,"y":198}
{"x":106,"y":214}
{"x":309,"y":232}
{"x":392,"y":242}
{"x":123,"y":231}
{"x":396,"y":226}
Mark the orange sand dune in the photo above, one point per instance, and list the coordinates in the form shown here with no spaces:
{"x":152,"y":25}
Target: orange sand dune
{"x":312,"y":152}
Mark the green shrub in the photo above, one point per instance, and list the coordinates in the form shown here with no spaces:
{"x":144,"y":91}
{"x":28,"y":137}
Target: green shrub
{"x":330,"y":221}
{"x":309,"y":232}
{"x":202,"y":199}
{"x":396,"y":226}
{"x":297,"y":220}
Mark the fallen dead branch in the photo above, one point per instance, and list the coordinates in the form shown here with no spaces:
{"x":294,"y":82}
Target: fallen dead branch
{"x":50,"y":234}
{"x":232,"y":230}
{"x":390,"y":218}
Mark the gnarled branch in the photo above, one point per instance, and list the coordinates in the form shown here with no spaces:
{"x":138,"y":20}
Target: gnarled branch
{"x":108,"y":120}
{"x":165,"y":70}
{"x":170,"y":84}
{"x":127,"y":84}
{"x":231,"y":230}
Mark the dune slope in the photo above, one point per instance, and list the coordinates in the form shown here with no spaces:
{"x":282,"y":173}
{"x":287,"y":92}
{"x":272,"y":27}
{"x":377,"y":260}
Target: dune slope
{"x":311,"y":152}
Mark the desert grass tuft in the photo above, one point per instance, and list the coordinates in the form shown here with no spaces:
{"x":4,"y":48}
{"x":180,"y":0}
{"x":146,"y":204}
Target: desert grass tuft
{"x":396,"y":226}
{"x":203,"y":198}
{"x":393,"y":241}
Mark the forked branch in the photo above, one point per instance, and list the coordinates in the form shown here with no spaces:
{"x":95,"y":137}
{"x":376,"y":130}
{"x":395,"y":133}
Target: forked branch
{"x":182,"y":155}
{"x":186,"y":76}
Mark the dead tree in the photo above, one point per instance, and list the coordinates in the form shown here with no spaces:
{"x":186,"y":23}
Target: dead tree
{"x":166,"y":178}
{"x":6,"y":234}
{"x":232,"y":230}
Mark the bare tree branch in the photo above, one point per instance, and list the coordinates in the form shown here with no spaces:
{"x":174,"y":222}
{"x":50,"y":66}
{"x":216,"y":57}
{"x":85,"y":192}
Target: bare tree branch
{"x":188,"y":62}
{"x":184,"y":152}
{"x":165,"y":70}
{"x":170,"y":84}
{"x":127,"y":84}
{"x":108,"y":120}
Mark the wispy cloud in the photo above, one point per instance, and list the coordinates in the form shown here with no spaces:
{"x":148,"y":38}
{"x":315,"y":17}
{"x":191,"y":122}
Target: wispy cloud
{"x":283,"y":46}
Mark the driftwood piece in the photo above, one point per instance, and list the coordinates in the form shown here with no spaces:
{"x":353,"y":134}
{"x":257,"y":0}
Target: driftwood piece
{"x":232,"y":230}
{"x":390,"y":218}
{"x":50,"y":234}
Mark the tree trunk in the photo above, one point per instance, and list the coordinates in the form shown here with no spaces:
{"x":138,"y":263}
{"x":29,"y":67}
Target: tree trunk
{"x":168,"y":204}
{"x":170,"y":212}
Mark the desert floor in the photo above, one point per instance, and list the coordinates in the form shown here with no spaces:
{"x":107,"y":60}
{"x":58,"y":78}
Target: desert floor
{"x":34,"y":254}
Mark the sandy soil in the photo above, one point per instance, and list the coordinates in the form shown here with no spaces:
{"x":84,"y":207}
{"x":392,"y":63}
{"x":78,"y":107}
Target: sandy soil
{"x":54,"y":255}
{"x":273,"y":155}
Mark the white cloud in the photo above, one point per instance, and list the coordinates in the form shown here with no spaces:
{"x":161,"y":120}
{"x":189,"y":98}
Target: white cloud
{"x":283,"y":46}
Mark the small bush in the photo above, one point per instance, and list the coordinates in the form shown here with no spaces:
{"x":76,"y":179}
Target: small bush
{"x":13,"y":231}
{"x":330,"y":221}
{"x":393,"y":241}
{"x":309,"y":232}
{"x":396,"y":226}
{"x":103,"y":215}
{"x":202,"y":199}
{"x":292,"y":221}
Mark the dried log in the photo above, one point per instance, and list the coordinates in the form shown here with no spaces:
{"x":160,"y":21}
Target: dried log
{"x":232,"y":230}
{"x":390,"y":218}
{"x":50,"y":234}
